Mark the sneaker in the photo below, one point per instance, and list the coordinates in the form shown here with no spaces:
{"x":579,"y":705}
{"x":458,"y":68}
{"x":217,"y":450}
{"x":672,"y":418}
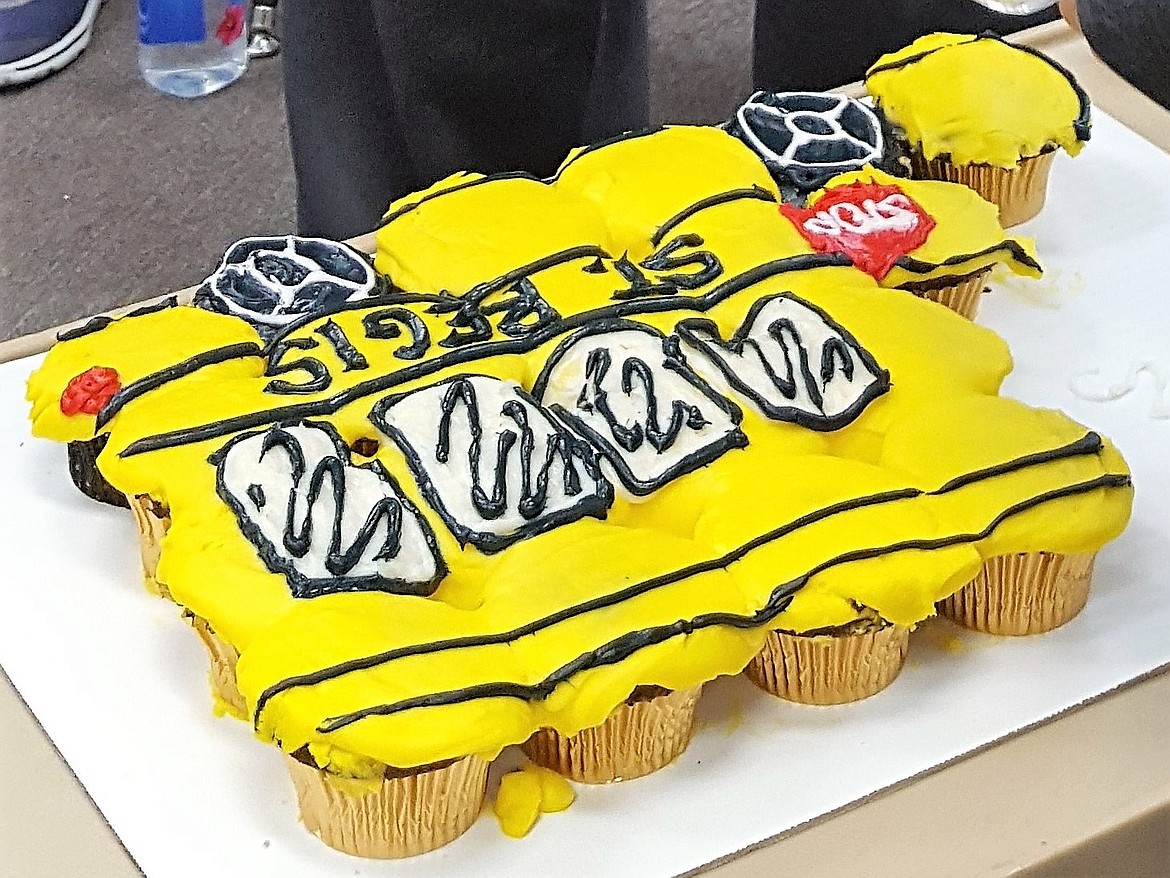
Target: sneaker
{"x":39,"y":37}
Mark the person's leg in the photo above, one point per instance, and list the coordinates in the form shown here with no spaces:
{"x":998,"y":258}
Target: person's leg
{"x":491,"y":86}
{"x":348,"y":157}
{"x":619,"y":92}
{"x":388,"y":96}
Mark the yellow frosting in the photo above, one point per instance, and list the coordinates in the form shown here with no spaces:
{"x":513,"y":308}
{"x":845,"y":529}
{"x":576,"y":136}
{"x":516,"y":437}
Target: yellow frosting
{"x":527,"y":793}
{"x":867,"y":515}
{"x":979,"y":99}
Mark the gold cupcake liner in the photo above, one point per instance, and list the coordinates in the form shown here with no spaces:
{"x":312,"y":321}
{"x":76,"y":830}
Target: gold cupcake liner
{"x":1019,"y":192}
{"x":642,"y":735}
{"x":960,"y":294}
{"x":1022,"y":594}
{"x":223,"y":667}
{"x":830,"y":668}
{"x":411,"y":812}
{"x":153,"y":519}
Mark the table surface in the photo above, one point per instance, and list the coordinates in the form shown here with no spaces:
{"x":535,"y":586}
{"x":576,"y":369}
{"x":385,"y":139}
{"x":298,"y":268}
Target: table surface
{"x":1085,"y":794}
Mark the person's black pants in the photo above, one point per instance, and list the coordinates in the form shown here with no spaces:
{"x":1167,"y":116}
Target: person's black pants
{"x":386,"y":97}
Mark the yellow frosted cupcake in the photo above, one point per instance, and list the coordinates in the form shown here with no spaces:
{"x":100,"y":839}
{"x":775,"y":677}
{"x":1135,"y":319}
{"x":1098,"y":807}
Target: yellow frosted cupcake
{"x":396,"y":813}
{"x":831,"y":665}
{"x":935,"y":239}
{"x":982,"y":112}
{"x":646,"y":732}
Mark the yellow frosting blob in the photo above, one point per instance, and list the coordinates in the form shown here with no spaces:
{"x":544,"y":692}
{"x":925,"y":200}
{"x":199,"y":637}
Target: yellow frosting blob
{"x":527,"y":793}
{"x":793,"y":527}
{"x":979,"y":99}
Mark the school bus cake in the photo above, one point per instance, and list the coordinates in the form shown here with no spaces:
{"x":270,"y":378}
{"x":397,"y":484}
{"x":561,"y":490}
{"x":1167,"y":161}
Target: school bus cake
{"x":570,"y":449}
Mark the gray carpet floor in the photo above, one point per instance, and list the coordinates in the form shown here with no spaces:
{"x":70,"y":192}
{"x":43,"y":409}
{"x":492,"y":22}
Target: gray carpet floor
{"x":111,"y":193}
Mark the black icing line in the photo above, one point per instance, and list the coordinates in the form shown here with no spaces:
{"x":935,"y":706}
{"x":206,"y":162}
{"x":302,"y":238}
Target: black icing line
{"x":514,"y":175}
{"x":623,"y":647}
{"x":1082,"y":125}
{"x":155,"y":380}
{"x":673,"y":361}
{"x":350,"y":357}
{"x":570,"y":254}
{"x":756,"y":191}
{"x":317,"y":408}
{"x":1089,"y":444}
{"x":595,"y":504}
{"x":382,"y":324}
{"x":319,"y":376}
{"x":690,"y":328}
{"x":278,"y":562}
{"x":96,"y":324}
{"x":918,"y":266}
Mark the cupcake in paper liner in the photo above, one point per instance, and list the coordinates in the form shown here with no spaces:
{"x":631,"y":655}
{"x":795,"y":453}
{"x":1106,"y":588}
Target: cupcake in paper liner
{"x":153,"y":519}
{"x":983,"y":112}
{"x":643,"y":734}
{"x":1021,"y":594}
{"x":391,"y":813}
{"x":223,"y":658}
{"x":831,"y":665}
{"x":807,"y":138}
{"x":936,"y":240}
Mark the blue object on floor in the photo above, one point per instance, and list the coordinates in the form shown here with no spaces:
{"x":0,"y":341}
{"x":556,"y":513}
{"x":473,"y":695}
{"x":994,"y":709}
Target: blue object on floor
{"x":39,"y":37}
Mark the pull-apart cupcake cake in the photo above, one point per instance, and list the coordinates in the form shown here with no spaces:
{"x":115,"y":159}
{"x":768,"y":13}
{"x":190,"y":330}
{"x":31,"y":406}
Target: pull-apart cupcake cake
{"x":569,"y":450}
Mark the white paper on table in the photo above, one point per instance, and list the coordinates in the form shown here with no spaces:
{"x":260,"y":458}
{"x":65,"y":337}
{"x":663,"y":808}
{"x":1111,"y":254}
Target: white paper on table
{"x":120,"y":684}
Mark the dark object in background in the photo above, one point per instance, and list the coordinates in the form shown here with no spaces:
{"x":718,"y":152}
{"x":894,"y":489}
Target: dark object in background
{"x":1132,"y":37}
{"x":822,"y":45}
{"x":385,"y":98}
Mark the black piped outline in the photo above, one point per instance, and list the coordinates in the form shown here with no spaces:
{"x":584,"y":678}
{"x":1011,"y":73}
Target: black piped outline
{"x":515,"y":175}
{"x":1019,"y":254}
{"x":595,"y":504}
{"x":755,"y":191}
{"x":688,"y":330}
{"x":623,"y":647}
{"x":155,"y":380}
{"x":1090,"y":443}
{"x":276,"y":561}
{"x":97,"y":324}
{"x":689,"y":463}
{"x":380,"y":383}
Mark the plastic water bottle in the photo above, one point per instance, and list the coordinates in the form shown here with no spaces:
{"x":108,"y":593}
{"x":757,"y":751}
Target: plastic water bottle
{"x":190,"y":48}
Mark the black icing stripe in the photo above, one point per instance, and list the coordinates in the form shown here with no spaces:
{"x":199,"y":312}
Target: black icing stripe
{"x":623,"y":647}
{"x":514,"y":175}
{"x":96,"y":324}
{"x":918,"y":266}
{"x":1089,"y":444}
{"x":470,"y":353}
{"x":466,"y":184}
{"x":164,"y":376}
{"x":756,"y":192}
{"x":480,"y":290}
{"x":1081,"y":125}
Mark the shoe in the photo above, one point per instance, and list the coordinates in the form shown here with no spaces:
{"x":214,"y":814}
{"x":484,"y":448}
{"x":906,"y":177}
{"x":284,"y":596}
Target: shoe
{"x":39,"y":37}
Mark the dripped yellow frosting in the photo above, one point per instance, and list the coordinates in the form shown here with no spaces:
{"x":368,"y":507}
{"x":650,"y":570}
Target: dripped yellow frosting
{"x":979,"y":99}
{"x":786,"y":508}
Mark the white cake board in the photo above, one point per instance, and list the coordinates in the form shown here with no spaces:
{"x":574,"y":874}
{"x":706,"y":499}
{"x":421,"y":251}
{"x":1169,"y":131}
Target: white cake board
{"x":119,"y":682}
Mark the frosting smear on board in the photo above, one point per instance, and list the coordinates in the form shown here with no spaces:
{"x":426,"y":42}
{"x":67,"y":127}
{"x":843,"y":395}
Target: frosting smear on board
{"x":622,"y":423}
